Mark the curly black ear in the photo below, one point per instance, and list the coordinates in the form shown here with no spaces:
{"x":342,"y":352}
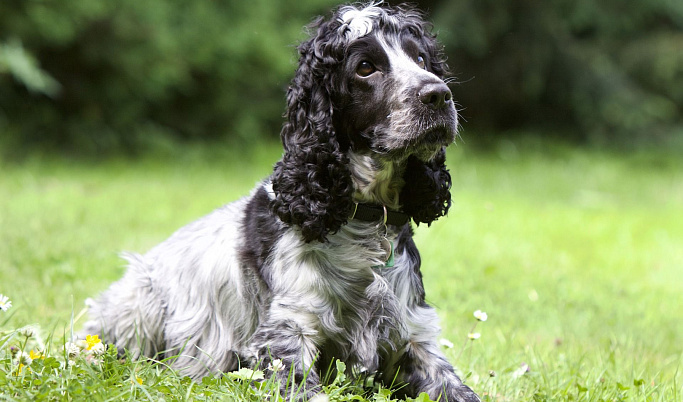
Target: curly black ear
{"x":426,"y":195}
{"x":312,"y":184}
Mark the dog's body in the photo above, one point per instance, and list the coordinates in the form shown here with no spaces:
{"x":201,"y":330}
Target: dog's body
{"x":318,"y":263}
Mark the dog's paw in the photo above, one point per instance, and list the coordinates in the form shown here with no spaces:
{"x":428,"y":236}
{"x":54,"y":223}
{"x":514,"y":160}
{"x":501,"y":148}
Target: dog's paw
{"x":460,"y":393}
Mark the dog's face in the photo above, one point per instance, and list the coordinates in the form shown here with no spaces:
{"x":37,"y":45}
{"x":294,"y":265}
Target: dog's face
{"x":393,"y":101}
{"x":368,"y":119}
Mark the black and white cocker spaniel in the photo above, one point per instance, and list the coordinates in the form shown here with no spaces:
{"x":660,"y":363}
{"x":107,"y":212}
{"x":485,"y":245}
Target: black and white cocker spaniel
{"x":318,"y":263}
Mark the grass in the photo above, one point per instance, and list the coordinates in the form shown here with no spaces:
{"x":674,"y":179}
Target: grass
{"x":576,"y":255}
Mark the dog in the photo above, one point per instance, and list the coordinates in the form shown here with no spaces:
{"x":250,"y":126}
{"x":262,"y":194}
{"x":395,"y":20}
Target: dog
{"x":318,"y":263}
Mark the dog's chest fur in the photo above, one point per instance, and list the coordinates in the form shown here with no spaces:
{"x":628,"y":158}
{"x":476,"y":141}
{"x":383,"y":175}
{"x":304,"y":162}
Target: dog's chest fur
{"x":340,"y":291}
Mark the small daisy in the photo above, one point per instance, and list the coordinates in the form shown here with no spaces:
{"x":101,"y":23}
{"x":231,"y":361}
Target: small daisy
{"x":276,"y":365}
{"x":72,"y":350}
{"x":446,"y":343}
{"x":474,"y":335}
{"x":28,"y":331}
{"x":23,"y":359}
{"x":98,"y":349}
{"x":5,"y":302}
{"x":481,"y":315}
{"x":522,"y":370}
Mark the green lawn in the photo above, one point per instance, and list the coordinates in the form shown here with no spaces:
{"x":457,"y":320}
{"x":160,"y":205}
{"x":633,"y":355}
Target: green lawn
{"x":576,"y":256}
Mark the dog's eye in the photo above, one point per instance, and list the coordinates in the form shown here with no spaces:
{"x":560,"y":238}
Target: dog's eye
{"x":421,"y":62}
{"x":365,"y":68}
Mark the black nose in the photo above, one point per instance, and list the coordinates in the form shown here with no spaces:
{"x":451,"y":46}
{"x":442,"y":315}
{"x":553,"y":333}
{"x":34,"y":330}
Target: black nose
{"x":435,"y":95}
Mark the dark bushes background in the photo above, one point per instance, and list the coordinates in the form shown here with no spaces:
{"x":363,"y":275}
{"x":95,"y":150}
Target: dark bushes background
{"x":607,"y":71}
{"x":98,"y":76}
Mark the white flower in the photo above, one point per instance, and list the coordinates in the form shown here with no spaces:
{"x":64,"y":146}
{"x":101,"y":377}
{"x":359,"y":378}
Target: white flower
{"x":23,"y":359}
{"x":523,"y":369}
{"x":481,"y":315}
{"x":5,"y":302}
{"x":276,"y":365}
{"x":98,"y":349}
{"x":72,"y":350}
{"x":446,"y":343}
{"x":474,"y":335}
{"x":28,"y":331}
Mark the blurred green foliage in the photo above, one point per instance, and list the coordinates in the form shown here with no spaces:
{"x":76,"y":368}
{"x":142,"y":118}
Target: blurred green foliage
{"x":610,"y":71}
{"x":130,"y":72}
{"x":96,"y":76}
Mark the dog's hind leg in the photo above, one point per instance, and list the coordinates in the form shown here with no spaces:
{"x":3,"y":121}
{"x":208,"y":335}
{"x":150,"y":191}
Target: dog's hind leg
{"x":129,"y":314}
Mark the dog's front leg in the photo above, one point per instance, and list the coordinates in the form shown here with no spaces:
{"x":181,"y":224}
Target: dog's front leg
{"x":285,"y":346}
{"x":424,"y":368}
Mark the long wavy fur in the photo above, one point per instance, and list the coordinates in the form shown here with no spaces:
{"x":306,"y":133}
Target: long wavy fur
{"x":312,"y":184}
{"x":426,"y":196}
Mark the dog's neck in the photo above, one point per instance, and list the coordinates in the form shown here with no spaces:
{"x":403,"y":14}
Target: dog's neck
{"x":376,"y":181}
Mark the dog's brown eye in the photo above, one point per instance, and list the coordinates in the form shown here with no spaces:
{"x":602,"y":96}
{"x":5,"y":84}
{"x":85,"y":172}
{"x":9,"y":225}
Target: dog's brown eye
{"x":421,"y":62}
{"x":365,"y":68}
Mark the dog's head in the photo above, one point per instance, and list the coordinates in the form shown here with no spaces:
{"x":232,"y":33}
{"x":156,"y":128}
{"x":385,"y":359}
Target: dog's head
{"x":368,"y":119}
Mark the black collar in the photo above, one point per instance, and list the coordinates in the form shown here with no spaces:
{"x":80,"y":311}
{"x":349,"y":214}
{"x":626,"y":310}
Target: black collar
{"x":373,"y":213}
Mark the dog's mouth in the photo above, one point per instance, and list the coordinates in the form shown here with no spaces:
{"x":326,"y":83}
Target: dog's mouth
{"x":425,"y":144}
{"x":422,"y":144}
{"x":421,"y":136}
{"x":440,"y":135}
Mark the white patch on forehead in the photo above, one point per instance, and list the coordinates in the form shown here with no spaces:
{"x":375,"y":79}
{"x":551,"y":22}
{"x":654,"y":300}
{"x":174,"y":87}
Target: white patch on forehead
{"x":358,"y":23}
{"x":399,"y":60}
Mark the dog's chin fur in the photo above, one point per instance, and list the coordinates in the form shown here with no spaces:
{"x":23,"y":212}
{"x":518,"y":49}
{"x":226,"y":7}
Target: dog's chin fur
{"x":284,"y":273}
